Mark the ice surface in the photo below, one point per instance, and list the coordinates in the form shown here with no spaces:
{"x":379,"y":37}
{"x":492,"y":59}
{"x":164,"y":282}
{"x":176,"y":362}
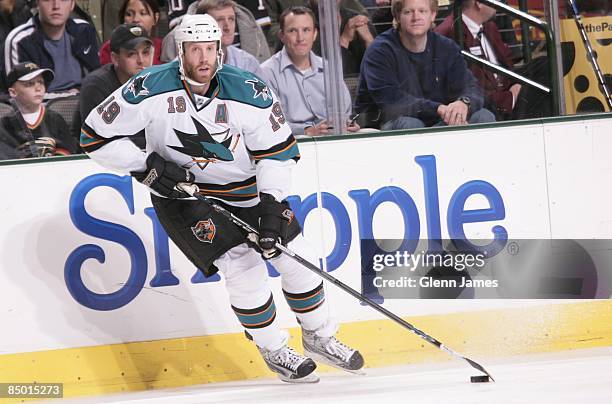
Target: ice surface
{"x":580,"y":376}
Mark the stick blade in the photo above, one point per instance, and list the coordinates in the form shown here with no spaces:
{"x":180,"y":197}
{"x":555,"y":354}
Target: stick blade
{"x":479,"y":367}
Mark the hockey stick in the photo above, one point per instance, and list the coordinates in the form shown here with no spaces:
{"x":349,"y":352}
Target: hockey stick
{"x":193,"y":190}
{"x":591,"y":53}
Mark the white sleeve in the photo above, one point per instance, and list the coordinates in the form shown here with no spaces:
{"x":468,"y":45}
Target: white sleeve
{"x":274,"y":177}
{"x":106,"y":131}
{"x":270,"y":143}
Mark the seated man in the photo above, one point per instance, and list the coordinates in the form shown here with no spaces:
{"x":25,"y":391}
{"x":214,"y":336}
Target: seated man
{"x":55,"y":41}
{"x":295,"y":74}
{"x":504,"y":96}
{"x":276,"y":7}
{"x":248,"y":35}
{"x":33,"y":130}
{"x":413,"y":78}
{"x":224,"y":12}
{"x":131,"y":51}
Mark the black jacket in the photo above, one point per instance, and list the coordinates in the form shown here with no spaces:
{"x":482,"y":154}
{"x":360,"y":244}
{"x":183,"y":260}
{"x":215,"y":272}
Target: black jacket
{"x":393,"y":82}
{"x":14,"y":138}
{"x":26,"y":44}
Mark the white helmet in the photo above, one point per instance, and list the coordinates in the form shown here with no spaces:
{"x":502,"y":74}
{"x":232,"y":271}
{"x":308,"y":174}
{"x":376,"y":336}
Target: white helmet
{"x":197,"y":28}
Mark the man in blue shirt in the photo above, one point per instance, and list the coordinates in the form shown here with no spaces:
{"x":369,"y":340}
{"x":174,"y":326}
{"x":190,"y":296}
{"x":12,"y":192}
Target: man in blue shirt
{"x":412,"y":77}
{"x":295,"y":74}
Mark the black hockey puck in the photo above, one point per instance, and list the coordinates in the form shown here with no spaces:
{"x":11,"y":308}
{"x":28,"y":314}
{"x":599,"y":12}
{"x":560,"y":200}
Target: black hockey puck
{"x":480,"y":379}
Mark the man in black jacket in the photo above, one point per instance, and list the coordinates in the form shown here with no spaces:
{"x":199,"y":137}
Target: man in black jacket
{"x":413,"y":78}
{"x":54,"y":41}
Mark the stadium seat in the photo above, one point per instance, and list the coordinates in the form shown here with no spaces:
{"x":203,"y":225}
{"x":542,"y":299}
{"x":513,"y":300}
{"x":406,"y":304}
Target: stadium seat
{"x":352,"y":82}
{"x":68,"y":108}
{"x":5,"y":110}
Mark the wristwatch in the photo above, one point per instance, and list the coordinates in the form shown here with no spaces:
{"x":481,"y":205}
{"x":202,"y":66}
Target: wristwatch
{"x":466,"y":101}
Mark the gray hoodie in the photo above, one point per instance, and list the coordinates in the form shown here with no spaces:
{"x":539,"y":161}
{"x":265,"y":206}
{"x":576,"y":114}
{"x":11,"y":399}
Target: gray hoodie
{"x":252,"y":38}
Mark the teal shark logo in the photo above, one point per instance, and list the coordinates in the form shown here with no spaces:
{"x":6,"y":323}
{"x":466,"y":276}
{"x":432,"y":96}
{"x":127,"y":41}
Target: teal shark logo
{"x":260,"y":89}
{"x":202,"y":147}
{"x":137,"y":86}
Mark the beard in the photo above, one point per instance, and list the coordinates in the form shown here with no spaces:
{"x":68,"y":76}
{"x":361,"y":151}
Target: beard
{"x":201,"y":77}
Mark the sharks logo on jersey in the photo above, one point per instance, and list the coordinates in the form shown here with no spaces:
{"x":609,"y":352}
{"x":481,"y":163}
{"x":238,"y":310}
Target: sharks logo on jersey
{"x":137,"y":87}
{"x":260,"y":89}
{"x":202,"y":147}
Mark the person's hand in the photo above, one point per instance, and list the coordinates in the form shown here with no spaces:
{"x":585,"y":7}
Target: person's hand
{"x":322,"y":128}
{"x":515,"y":89}
{"x":348,"y":34}
{"x":355,"y":25}
{"x":163,"y":176}
{"x":454,"y":113}
{"x":363,"y":30}
{"x":274,"y":220}
{"x":352,"y":126}
{"x":383,"y":2}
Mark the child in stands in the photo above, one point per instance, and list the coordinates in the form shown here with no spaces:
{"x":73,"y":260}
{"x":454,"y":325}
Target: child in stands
{"x":32,"y":130}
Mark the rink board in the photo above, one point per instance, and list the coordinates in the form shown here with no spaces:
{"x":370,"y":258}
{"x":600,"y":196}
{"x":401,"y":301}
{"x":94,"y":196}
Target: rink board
{"x":479,"y":335}
{"x":77,"y":221}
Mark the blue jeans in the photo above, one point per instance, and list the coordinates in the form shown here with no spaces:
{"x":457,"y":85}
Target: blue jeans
{"x":407,"y":122}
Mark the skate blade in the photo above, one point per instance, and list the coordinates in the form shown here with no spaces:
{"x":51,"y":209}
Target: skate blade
{"x":322,"y":359}
{"x":310,"y":378}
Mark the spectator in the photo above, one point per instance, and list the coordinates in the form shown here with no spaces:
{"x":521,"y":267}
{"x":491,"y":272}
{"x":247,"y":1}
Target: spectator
{"x":90,"y":10}
{"x":131,"y":51}
{"x":295,"y":74}
{"x":259,"y":11}
{"x":55,"y":41}
{"x":505,"y":96}
{"x":224,"y":12}
{"x":276,"y":7}
{"x":176,"y":11}
{"x":33,"y":130}
{"x":412,"y":77}
{"x":356,"y":34}
{"x":144,"y":13}
{"x":251,"y":36}
{"x":12,"y":14}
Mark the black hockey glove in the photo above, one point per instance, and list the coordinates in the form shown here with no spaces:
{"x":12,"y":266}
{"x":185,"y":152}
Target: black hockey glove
{"x":274,"y":219}
{"x":162,"y":176}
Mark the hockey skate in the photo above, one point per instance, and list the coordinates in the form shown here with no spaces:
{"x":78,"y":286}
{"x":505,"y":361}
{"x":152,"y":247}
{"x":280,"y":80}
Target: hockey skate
{"x":330,"y":351}
{"x":290,"y":366}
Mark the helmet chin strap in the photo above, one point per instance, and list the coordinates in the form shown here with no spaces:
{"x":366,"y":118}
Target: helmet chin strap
{"x":192,"y":81}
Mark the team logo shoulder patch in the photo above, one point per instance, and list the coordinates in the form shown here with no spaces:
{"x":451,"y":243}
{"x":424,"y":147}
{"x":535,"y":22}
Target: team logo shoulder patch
{"x":205,"y":230}
{"x":137,"y":86}
{"x":260,"y":89}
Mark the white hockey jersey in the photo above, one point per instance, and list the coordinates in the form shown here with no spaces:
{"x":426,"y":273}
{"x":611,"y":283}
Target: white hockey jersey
{"x":233,"y":137}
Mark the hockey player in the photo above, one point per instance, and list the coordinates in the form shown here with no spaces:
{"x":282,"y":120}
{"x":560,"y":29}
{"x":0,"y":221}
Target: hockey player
{"x":223,"y":129}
